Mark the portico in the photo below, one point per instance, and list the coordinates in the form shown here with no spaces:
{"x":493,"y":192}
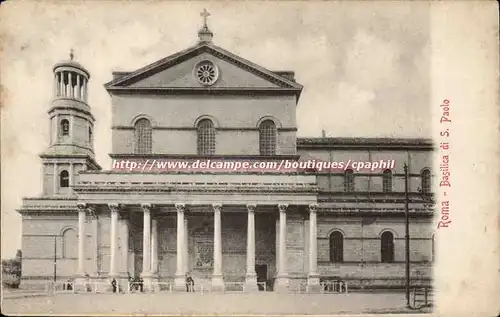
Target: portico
{"x":203,"y":227}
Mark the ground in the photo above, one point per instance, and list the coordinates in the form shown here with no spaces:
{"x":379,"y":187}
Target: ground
{"x":207,"y":303}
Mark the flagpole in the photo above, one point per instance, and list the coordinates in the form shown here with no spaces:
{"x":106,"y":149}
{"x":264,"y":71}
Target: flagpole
{"x":407,"y":239}
{"x":55,"y":258}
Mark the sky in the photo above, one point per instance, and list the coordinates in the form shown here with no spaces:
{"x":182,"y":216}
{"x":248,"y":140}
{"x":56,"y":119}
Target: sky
{"x":364,"y":66}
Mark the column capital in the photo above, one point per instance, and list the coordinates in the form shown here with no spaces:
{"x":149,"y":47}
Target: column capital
{"x":251,"y":207}
{"x":217,"y":207}
{"x":180,"y":207}
{"x":91,"y":212}
{"x":114,"y":207}
{"x":146,"y":207}
{"x":313,"y":207}
{"x":81,"y":206}
{"x":282,"y":207}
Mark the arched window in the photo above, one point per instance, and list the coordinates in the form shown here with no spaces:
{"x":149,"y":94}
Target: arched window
{"x":426,"y":180}
{"x":267,"y":138}
{"x":64,"y":127}
{"x":336,"y":247}
{"x":143,"y":137}
{"x":349,"y":181}
{"x":387,"y":247}
{"x":64,"y":179}
{"x":69,"y":243}
{"x":387,"y":181}
{"x":206,"y":137}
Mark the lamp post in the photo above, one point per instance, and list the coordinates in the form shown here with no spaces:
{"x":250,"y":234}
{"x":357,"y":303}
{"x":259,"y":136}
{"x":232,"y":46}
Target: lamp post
{"x":55,"y":259}
{"x":407,"y":238}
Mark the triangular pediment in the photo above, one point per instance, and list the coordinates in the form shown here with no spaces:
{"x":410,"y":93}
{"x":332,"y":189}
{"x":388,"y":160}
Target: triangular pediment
{"x":178,"y":71}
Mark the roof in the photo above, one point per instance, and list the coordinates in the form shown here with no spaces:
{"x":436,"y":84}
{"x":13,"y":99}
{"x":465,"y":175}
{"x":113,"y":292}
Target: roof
{"x":282,"y":79}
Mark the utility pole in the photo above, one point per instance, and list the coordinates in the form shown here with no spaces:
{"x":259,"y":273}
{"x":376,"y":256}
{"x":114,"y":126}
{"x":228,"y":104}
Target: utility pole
{"x":55,"y":258}
{"x":407,"y":238}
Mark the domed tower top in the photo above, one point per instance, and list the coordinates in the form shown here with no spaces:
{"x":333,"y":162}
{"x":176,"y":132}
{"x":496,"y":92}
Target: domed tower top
{"x":204,"y":34}
{"x":71,"y":80}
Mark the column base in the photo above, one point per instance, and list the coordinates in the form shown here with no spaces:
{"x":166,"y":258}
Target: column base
{"x":217,"y":283}
{"x":180,"y":283}
{"x":149,"y":282}
{"x":281,"y":284}
{"x":80,"y":284}
{"x":251,"y":283}
{"x":313,"y":285}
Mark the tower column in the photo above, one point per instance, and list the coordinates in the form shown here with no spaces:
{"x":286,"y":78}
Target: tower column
{"x":56,"y":84}
{"x":56,"y":178}
{"x":85,"y":93}
{"x":251,"y":277}
{"x":70,"y":85}
{"x":180,"y":280}
{"x":78,"y":91}
{"x":71,"y":177}
{"x":62,"y":87}
{"x":282,"y":281}
{"x":313,"y":276}
{"x":217,"y":279}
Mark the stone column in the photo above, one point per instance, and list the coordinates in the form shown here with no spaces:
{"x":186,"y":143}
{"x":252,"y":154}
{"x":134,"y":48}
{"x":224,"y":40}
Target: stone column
{"x":70,"y":85}
{"x":180,"y":279}
{"x":125,"y":246}
{"x":77,"y":88}
{"x":217,"y":278}
{"x":71,"y":174}
{"x":282,"y":280}
{"x":313,"y":276}
{"x":186,"y":246}
{"x":55,"y":132}
{"x":62,"y":87}
{"x":81,"y":239}
{"x":251,"y":277}
{"x":56,"y":179}
{"x":114,"y":208}
{"x":85,"y":90}
{"x":154,"y":246}
{"x":72,"y":128}
{"x":146,"y":247}
{"x":95,"y":239}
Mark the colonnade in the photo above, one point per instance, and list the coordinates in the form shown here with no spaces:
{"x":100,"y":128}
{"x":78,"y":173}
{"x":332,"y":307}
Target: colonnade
{"x":150,"y":246}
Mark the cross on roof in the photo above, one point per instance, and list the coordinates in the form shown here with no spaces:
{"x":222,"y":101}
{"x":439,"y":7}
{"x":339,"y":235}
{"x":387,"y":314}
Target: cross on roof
{"x":205,"y":14}
{"x":71,"y":53}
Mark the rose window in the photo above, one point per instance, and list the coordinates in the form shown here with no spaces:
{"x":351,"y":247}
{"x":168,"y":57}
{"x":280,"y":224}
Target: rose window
{"x":206,"y":73}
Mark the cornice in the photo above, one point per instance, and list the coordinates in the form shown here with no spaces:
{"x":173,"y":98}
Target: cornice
{"x":365,"y":143}
{"x":205,"y":157}
{"x":190,"y":128}
{"x":194,"y":187}
{"x":190,"y":91}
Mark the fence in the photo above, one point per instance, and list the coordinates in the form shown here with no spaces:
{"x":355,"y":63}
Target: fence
{"x":423,"y":297}
{"x":234,"y":287}
{"x":333,"y":287}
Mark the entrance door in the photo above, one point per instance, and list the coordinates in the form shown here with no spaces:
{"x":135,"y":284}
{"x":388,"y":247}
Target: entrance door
{"x":261,"y":271}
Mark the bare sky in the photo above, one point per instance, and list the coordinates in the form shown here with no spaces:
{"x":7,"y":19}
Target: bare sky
{"x":364,"y":65}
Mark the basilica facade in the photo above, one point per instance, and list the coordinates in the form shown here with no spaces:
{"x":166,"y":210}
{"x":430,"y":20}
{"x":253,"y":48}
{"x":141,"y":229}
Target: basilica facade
{"x":287,"y":228}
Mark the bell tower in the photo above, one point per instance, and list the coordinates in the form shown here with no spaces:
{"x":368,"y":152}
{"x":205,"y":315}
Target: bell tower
{"x":71,"y":144}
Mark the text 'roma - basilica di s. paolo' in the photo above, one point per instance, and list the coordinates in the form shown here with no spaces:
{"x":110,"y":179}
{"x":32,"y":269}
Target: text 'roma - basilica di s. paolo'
{"x":282,"y":230}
